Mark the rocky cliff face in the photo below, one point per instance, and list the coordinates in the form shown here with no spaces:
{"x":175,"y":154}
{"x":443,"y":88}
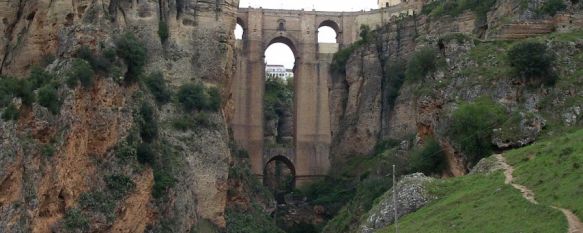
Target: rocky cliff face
{"x":362,"y":116}
{"x":54,"y":165}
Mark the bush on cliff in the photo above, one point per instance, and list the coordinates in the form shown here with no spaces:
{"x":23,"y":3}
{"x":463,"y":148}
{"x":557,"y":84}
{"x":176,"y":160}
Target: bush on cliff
{"x":192,"y":96}
{"x":148,"y":123}
{"x":133,"y":52}
{"x":80,"y":71}
{"x":472,"y":127}
{"x":98,"y":63}
{"x":49,"y":98}
{"x":533,"y":63}
{"x":551,"y":7}
{"x":75,"y":220}
{"x":341,"y":57}
{"x":421,"y":64}
{"x":429,"y":159}
{"x":197,"y":97}
{"x":158,"y":87}
{"x":163,"y":31}
{"x":10,"y":113}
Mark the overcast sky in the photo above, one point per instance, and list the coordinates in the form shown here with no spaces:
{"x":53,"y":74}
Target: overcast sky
{"x":280,"y":54}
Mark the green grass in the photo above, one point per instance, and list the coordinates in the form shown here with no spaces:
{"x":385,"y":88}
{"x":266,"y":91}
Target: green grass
{"x":480,"y":203}
{"x":553,"y":170}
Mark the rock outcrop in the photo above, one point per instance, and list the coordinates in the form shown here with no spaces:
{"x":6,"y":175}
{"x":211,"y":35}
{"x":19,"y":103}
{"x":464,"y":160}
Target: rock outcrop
{"x":411,"y":195}
{"x":50,"y":162}
{"x":361,"y":115}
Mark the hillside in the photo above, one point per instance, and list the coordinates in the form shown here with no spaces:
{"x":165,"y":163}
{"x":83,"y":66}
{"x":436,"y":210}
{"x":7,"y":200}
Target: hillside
{"x":484,"y":203}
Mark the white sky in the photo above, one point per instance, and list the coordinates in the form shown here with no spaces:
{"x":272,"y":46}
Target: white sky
{"x":281,"y":54}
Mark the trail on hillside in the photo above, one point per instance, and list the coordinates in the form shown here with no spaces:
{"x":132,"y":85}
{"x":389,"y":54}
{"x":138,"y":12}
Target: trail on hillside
{"x":575,"y":226}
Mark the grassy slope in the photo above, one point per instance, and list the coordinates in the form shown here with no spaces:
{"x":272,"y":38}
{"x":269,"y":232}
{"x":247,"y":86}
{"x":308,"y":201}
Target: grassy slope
{"x":553,"y":169}
{"x":480,"y":203}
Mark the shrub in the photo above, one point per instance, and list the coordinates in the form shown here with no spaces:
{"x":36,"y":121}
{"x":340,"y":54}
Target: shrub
{"x":49,"y":98}
{"x":163,"y":180}
{"x":98,"y":63}
{"x":214,"y":103}
{"x":38,"y":77}
{"x":11,"y":113}
{"x":157,"y":86}
{"x":148,"y":123}
{"x":163,"y":31}
{"x":533,"y":62}
{"x":125,"y":150}
{"x":472,"y":127}
{"x":48,"y":150}
{"x":119,"y":185}
{"x":192,"y":97}
{"x":133,"y":52}
{"x":109,"y":54}
{"x":551,"y":7}
{"x":421,"y":64}
{"x":80,"y":71}
{"x":24,"y":90}
{"x":341,"y":57}
{"x":384,"y":145}
{"x":99,"y":202}
{"x":365,"y":33}
{"x":430,"y":159}
{"x":8,"y":86}
{"x":185,"y":123}
{"x":145,"y":154}
{"x":75,"y":220}
{"x":85,"y":53}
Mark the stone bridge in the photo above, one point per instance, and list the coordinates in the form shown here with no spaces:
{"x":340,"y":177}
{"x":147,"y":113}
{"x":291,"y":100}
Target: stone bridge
{"x":299,"y":30}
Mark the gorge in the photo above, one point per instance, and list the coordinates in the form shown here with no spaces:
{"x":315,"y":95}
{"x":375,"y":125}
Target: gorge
{"x":150,"y":116}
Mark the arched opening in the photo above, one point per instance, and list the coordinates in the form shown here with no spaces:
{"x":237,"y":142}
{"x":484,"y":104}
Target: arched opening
{"x":278,"y":100}
{"x":279,"y":177}
{"x":239,"y":32}
{"x":327,"y":34}
{"x":240,"y":29}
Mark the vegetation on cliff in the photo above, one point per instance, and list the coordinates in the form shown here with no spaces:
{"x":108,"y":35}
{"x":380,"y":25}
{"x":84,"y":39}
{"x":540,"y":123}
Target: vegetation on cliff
{"x":422,"y":63}
{"x":249,"y":199}
{"x":533,"y":63}
{"x":472,"y":127}
{"x":341,"y":57}
{"x":457,"y":7}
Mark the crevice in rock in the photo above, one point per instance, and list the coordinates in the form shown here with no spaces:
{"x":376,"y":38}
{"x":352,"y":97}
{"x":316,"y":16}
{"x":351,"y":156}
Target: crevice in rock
{"x":9,"y":32}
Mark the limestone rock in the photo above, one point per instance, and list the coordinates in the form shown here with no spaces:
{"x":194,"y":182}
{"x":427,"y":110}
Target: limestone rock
{"x":528,"y":129}
{"x":411,"y":195}
{"x":487,"y":165}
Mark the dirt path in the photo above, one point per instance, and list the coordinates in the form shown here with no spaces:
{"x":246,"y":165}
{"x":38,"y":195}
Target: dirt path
{"x":575,"y":226}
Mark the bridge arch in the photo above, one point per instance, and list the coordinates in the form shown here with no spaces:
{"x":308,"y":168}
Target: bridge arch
{"x":330,"y":23}
{"x":280,"y":180}
{"x":335,"y":26}
{"x":287,"y":40}
{"x":241,"y":23}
